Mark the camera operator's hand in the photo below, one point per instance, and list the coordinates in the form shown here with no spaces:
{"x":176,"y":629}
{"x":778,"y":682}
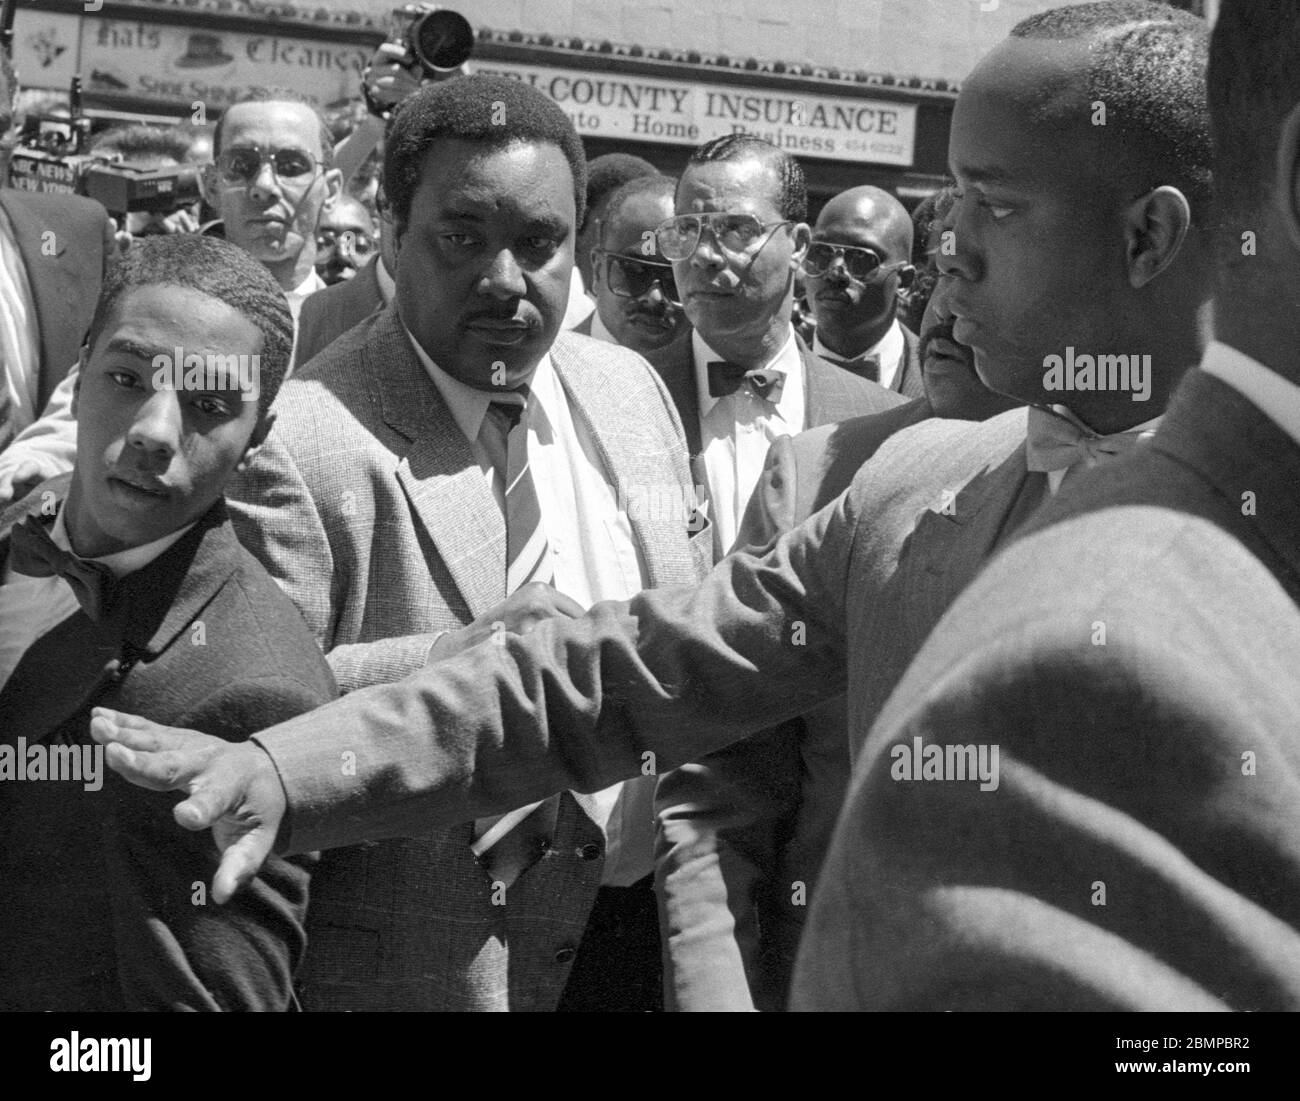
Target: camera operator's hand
{"x":388,"y":79}
{"x":179,"y":221}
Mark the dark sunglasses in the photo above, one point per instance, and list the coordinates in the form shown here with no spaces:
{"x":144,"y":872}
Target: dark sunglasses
{"x":860,"y":263}
{"x":242,"y":163}
{"x":357,"y":244}
{"x":631,"y":277}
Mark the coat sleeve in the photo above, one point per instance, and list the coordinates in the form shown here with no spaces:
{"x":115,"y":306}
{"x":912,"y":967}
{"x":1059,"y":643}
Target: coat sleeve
{"x":577,"y":704}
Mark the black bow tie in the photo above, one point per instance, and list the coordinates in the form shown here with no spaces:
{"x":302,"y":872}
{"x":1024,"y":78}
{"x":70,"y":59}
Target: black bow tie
{"x":726,"y":378}
{"x":34,"y":553}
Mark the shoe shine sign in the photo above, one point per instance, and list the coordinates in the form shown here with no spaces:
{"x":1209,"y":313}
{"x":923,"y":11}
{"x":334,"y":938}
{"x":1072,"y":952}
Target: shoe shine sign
{"x":178,"y":65}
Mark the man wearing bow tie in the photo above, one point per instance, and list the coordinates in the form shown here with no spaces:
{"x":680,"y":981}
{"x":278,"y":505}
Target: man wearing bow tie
{"x":855,"y":268}
{"x":123,"y":584}
{"x":745,"y":378}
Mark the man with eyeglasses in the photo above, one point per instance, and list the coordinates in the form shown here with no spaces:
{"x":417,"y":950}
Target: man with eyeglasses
{"x":271,"y":179}
{"x":745,"y":377}
{"x":637,"y":301}
{"x":854,"y":270}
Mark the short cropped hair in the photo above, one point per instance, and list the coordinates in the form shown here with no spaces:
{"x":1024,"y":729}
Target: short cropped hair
{"x":792,"y":188}
{"x":665,"y":186}
{"x":220,"y":270}
{"x":282,"y":95}
{"x":143,"y":141}
{"x":495,"y":111}
{"x":1254,"y":84}
{"x":1148,"y":69}
{"x":607,"y":173}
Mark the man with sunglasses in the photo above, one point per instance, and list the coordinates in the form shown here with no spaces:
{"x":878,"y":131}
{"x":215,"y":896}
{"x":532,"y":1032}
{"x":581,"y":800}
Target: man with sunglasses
{"x":745,"y":377}
{"x":637,"y":302}
{"x":272,"y":176}
{"x":347,"y":237}
{"x":854,"y":270}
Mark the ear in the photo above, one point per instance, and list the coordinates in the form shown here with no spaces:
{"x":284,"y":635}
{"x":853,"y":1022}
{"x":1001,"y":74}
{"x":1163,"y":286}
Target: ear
{"x":906,"y":277}
{"x":209,"y":187}
{"x":333,"y":187}
{"x":1288,"y":175}
{"x":1155,"y":226}
{"x":801,"y":235}
{"x":596,"y":266}
{"x":256,"y":440}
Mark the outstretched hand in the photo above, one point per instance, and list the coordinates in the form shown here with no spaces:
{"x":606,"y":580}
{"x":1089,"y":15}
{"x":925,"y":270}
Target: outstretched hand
{"x":233,"y":787}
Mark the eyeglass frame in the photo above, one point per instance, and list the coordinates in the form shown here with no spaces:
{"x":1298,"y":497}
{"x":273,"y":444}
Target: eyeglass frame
{"x":765,"y":231}
{"x":839,"y":255}
{"x":266,"y":156}
{"x":604,"y":256}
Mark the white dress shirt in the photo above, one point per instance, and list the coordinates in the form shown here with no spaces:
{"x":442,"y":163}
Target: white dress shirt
{"x":736,"y":431}
{"x":32,"y":606}
{"x":890,"y":348}
{"x":20,"y":336}
{"x":594,"y":555}
{"x":1274,"y":396}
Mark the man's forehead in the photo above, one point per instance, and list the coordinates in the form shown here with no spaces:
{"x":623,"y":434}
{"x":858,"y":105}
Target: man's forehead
{"x":635,"y":216}
{"x":273,"y":122}
{"x":1024,"y":115}
{"x":746,"y":183}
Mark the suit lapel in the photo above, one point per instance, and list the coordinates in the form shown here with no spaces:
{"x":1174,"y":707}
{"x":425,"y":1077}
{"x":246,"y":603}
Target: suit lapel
{"x":439,"y":473}
{"x":908,"y":379}
{"x":676,"y":367}
{"x":632,"y":457}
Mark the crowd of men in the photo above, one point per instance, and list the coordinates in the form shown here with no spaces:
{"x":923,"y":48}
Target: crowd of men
{"x":545,"y":623}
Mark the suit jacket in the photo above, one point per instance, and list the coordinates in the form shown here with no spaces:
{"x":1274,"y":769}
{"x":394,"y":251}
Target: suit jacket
{"x":831,"y":394}
{"x":1133,"y":658}
{"x":907,"y":379}
{"x":104,"y":899}
{"x":65,"y":272}
{"x":329,"y":313}
{"x":370,"y":509}
{"x":743,"y":831}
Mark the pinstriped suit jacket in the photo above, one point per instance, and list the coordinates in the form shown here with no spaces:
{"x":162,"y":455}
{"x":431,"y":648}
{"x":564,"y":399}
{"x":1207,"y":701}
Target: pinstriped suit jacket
{"x":368,"y":507}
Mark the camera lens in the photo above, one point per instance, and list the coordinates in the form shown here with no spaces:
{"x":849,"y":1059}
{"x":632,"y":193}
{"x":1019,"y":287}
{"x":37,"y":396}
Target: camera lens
{"x":441,"y":41}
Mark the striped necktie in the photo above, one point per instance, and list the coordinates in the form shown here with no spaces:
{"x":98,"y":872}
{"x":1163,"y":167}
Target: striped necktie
{"x":508,"y":844}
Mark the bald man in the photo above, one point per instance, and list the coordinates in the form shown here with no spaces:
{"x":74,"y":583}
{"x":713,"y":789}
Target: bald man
{"x":858,"y":263}
{"x":637,"y":303}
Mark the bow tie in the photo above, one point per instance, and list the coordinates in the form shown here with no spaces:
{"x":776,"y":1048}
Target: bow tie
{"x":726,"y":378}
{"x":1057,"y":443}
{"x":34,"y":553}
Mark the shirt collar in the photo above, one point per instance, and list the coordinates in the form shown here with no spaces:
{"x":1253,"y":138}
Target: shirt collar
{"x":889,"y":348}
{"x":468,"y":404}
{"x":1276,"y":397}
{"x":310,"y":285}
{"x":787,"y":360}
{"x":123,"y":562}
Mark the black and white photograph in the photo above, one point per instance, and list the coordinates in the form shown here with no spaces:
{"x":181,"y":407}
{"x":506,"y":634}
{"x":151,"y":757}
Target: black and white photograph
{"x":654,"y":507}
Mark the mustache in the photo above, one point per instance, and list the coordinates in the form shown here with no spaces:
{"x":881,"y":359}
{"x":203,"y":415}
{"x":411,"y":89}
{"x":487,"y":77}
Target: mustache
{"x":941,"y":331}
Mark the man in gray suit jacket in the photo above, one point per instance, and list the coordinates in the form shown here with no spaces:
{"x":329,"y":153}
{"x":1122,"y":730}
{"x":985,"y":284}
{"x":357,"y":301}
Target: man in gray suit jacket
{"x":1132,"y":660}
{"x":374,"y":513}
{"x":848,"y":597}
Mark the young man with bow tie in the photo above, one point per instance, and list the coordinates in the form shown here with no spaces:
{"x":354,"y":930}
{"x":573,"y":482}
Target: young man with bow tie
{"x":123,"y":585}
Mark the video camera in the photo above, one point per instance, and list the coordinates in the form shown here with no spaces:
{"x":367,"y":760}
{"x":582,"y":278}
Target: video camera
{"x":438,"y":40}
{"x":52,"y":155}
